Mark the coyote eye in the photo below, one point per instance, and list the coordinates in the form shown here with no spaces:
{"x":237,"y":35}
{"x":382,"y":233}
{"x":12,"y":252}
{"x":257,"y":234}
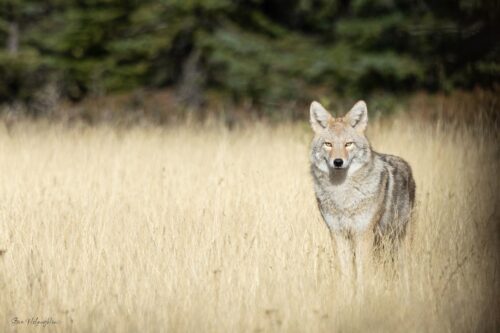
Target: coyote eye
{"x":328,"y":144}
{"x":348,"y":144}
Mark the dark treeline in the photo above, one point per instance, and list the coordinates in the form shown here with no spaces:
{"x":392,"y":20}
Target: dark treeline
{"x":257,"y":50}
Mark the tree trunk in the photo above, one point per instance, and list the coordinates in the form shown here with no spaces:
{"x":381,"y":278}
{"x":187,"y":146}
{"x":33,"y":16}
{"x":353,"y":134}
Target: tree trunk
{"x":13,"y":38}
{"x":190,"y":87}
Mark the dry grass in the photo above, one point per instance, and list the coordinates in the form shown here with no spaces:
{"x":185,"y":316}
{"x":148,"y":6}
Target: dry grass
{"x":209,"y":230}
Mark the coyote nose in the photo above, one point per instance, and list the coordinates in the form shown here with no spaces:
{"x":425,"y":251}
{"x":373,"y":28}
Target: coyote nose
{"x":338,"y":162}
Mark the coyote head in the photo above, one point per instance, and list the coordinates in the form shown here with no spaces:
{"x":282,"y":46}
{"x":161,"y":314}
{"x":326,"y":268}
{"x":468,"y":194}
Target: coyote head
{"x":339,"y":143}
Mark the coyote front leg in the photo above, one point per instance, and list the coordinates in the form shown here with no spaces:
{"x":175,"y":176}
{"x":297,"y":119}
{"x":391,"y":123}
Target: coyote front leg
{"x":363,"y":247}
{"x":345,"y":257}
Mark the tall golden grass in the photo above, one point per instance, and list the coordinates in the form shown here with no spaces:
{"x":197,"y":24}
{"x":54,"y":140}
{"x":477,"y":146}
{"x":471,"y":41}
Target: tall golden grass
{"x":202,"y":229}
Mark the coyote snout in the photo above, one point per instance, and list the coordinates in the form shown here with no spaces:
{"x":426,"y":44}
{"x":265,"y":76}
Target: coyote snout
{"x":362,"y":195}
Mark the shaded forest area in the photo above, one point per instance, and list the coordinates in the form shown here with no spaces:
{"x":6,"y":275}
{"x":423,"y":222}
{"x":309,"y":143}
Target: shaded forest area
{"x":253,"y":52}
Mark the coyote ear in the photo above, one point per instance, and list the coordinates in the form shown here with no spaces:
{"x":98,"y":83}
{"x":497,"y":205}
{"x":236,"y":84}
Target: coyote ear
{"x":358,"y":116}
{"x":319,"y":117}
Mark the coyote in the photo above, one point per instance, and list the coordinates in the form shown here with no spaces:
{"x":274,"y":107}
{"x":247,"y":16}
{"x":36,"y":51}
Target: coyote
{"x":364,"y":196}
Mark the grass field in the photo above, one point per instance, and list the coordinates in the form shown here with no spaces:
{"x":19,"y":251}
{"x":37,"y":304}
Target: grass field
{"x":202,"y":229}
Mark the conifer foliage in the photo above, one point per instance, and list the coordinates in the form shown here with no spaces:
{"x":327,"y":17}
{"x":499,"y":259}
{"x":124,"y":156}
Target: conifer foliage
{"x":257,"y":50}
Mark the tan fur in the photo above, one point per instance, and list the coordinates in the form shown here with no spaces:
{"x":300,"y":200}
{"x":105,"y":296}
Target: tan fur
{"x":369,"y":198}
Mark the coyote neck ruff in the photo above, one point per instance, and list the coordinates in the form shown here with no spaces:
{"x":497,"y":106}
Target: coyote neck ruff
{"x":358,"y":190}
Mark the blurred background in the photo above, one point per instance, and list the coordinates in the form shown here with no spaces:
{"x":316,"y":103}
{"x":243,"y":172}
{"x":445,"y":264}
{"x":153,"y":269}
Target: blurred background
{"x":160,"y":61}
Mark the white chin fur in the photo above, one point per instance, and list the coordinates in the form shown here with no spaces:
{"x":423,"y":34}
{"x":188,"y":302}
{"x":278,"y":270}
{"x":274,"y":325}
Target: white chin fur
{"x":323,"y":166}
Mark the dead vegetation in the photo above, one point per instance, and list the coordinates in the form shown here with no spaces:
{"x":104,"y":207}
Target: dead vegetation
{"x":203,"y":229}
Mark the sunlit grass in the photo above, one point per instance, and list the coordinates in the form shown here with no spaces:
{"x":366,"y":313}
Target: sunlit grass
{"x":202,"y":229}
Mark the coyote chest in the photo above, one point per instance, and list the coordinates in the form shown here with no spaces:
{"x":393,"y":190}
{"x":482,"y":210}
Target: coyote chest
{"x":351,"y":208}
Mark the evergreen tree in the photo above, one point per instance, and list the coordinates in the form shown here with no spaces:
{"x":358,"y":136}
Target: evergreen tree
{"x":21,"y":69}
{"x":263,"y":51}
